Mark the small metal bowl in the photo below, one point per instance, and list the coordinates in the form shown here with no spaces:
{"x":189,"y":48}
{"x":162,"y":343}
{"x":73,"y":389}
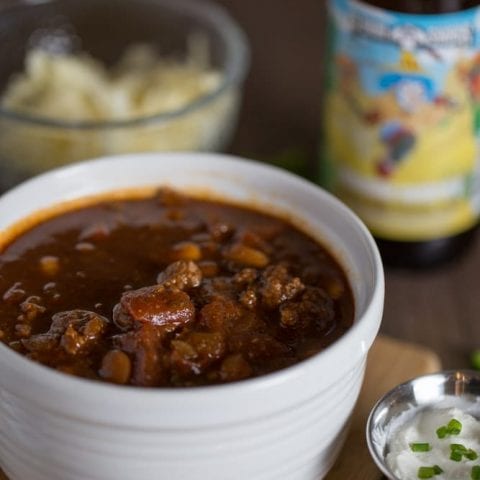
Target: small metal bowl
{"x":454,"y":388}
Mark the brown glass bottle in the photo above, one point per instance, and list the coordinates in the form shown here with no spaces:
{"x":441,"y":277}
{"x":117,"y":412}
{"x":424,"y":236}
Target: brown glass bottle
{"x":432,"y":252}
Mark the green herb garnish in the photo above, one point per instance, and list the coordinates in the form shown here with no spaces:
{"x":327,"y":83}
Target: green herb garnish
{"x":458,"y":451}
{"x":475,"y":475}
{"x":442,"y":432}
{"x":471,"y":454}
{"x":454,"y":427}
{"x":420,"y":447}
{"x":458,"y":447}
{"x":456,"y":456}
{"x":429,"y":472}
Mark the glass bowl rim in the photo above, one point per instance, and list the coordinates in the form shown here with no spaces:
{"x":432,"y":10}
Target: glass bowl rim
{"x":237,"y":64}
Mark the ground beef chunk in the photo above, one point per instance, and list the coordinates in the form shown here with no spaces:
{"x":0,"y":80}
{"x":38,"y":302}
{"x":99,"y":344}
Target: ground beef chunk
{"x":194,"y":352}
{"x":75,"y":331}
{"x":277,"y":286}
{"x":249,"y":298}
{"x":313,"y":308}
{"x":182,"y":275}
{"x":220,"y":314}
{"x":245,"y":276}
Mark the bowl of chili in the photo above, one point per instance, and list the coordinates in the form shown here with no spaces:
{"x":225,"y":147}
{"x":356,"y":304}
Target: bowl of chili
{"x":174,"y":374}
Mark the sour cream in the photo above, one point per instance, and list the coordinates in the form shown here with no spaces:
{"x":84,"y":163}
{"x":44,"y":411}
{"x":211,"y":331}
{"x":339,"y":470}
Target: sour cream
{"x":421,"y":428}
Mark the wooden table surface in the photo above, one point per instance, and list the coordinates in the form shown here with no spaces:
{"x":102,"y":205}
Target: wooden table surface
{"x":439,"y":308}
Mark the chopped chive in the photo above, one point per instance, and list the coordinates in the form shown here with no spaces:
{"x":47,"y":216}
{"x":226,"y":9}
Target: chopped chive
{"x":429,"y":472}
{"x":456,"y":456}
{"x":442,"y":432}
{"x":471,"y":454}
{"x":454,"y":427}
{"x":420,"y":447}
{"x":475,"y":475}
{"x":458,"y":451}
{"x":426,"y":472}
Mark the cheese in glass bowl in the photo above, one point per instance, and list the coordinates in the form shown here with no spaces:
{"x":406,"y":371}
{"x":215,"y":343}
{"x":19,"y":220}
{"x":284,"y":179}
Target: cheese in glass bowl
{"x":84,"y":79}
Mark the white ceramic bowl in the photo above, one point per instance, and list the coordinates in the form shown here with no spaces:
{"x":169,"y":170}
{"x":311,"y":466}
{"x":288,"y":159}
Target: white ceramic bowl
{"x":288,"y":425}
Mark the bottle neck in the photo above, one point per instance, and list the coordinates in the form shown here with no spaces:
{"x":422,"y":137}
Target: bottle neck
{"x":424,"y":6}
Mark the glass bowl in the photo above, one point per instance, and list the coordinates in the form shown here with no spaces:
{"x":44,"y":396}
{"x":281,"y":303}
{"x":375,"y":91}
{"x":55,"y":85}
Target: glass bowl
{"x":104,"y":29}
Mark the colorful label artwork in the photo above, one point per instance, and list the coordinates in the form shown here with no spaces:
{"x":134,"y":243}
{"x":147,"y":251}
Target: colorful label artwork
{"x":402,"y":119}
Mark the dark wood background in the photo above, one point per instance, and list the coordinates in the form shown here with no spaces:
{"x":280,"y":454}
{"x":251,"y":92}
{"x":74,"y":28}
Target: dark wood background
{"x":438,"y":308}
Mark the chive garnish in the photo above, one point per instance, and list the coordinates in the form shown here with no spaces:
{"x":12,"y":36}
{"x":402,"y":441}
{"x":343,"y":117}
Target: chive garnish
{"x":442,"y":432}
{"x":456,"y":456}
{"x":458,"y":451}
{"x":426,"y":472}
{"x":429,"y":472}
{"x":471,"y":454}
{"x":420,"y":447}
{"x":454,"y":427}
{"x":475,"y":475}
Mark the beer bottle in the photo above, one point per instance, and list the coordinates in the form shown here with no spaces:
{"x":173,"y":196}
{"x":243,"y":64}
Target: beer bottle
{"x":402,"y":122}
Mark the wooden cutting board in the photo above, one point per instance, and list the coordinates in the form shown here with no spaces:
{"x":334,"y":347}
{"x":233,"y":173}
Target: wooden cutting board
{"x":390,"y":362}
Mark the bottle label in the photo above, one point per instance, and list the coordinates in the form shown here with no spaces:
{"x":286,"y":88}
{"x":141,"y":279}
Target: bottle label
{"x":402,"y":118}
